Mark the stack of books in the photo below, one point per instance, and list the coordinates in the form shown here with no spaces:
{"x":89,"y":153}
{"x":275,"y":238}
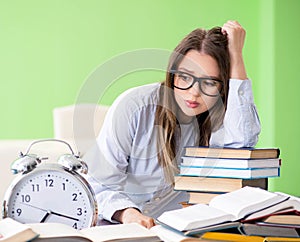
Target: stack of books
{"x":207,"y":172}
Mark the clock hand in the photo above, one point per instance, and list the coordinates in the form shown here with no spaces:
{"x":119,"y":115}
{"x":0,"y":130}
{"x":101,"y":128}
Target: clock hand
{"x":65,"y":216}
{"x":42,"y":209}
{"x":51,"y":212}
{"x":46,"y":216}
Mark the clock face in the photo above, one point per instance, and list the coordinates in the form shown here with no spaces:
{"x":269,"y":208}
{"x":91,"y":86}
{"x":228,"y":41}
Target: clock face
{"x":51,"y":195}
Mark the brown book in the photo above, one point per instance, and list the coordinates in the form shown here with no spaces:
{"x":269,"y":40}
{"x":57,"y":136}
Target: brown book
{"x":212,"y":184}
{"x":201,"y":197}
{"x":283,"y":220}
{"x":238,"y":153}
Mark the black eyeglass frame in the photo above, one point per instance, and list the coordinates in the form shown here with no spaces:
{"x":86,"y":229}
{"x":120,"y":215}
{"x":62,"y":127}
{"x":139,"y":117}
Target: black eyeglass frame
{"x":196,"y":79}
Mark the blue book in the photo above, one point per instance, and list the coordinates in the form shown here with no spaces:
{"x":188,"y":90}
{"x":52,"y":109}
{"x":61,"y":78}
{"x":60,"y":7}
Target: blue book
{"x":230,"y":163}
{"x":248,"y":173}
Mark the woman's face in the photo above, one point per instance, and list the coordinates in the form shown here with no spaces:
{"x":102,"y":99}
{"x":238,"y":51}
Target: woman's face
{"x":192,"y":101}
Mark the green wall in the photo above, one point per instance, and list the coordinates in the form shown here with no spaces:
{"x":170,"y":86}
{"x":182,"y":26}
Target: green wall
{"x":286,"y":93}
{"x":50,"y":48}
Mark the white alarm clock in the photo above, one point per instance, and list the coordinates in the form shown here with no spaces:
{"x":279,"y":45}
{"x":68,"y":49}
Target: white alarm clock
{"x":51,"y":192}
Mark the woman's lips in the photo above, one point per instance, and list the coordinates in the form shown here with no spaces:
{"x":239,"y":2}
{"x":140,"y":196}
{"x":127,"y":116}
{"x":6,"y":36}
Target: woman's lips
{"x":192,"y":104}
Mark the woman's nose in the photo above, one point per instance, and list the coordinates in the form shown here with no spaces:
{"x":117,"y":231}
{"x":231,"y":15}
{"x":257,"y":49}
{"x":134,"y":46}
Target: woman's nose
{"x":195,"y":89}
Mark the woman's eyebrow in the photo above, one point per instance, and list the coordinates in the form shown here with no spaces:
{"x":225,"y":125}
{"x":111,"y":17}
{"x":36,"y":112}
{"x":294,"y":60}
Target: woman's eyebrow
{"x":186,"y":70}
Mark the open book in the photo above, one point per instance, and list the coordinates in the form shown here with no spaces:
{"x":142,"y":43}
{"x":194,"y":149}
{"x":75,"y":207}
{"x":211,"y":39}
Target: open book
{"x":232,"y":206}
{"x":290,"y":205}
{"x":51,"y":232}
{"x":12,"y":231}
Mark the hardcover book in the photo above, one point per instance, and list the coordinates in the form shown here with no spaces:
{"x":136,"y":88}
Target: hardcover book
{"x":249,"y":173}
{"x":265,"y":231}
{"x":238,"y":153}
{"x":230,"y":163}
{"x":212,"y":184}
{"x":201,"y":197}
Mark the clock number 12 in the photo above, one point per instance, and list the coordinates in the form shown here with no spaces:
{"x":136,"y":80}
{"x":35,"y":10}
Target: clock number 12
{"x":49,"y":182}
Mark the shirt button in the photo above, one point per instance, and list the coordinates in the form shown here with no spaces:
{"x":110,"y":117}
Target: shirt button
{"x":157,"y":199}
{"x":146,"y":212}
{"x":241,"y":93}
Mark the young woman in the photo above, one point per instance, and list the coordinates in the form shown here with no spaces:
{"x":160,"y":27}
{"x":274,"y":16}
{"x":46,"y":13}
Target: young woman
{"x":206,"y":99}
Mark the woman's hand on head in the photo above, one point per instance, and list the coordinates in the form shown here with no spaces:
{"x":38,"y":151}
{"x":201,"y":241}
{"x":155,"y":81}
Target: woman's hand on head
{"x":236,"y":38}
{"x":132,"y":215}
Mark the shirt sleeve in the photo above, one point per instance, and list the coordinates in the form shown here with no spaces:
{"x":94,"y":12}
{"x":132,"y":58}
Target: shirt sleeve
{"x":241,"y":125}
{"x":108,"y":160}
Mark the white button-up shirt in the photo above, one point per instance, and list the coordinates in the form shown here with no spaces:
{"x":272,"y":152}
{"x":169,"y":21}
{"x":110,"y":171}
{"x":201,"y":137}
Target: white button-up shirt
{"x":123,"y":166}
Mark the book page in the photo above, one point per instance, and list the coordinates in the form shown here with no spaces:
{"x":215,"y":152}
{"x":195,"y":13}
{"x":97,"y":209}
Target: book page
{"x":192,"y":217}
{"x":296,"y":199}
{"x":98,"y":233}
{"x":168,"y":235}
{"x":54,"y":230}
{"x":118,"y":231}
{"x":282,"y":207}
{"x":10,"y":228}
{"x":245,"y":201}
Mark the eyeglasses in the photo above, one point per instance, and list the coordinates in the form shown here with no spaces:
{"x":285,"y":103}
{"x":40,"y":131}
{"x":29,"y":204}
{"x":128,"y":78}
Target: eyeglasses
{"x":208,"y":86}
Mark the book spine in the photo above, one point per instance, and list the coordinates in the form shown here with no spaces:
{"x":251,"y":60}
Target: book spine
{"x":230,"y":163}
{"x":229,"y":172}
{"x":220,"y":185}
